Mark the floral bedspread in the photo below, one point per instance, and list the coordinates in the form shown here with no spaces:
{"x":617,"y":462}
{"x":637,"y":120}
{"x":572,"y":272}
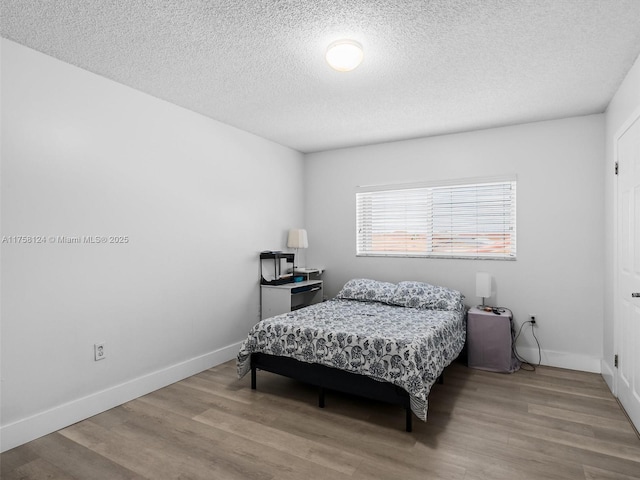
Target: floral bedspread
{"x":408,"y":347}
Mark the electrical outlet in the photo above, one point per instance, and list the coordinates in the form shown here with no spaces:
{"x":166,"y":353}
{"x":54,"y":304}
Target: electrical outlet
{"x":99,"y":351}
{"x":532,"y":319}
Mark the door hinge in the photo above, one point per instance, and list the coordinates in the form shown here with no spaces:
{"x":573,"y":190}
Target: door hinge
{"x":615,"y":360}
{"x":616,"y":168}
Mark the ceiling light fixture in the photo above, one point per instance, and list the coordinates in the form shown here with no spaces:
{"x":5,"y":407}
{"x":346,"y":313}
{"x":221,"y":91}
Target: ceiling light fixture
{"x":344,"y":55}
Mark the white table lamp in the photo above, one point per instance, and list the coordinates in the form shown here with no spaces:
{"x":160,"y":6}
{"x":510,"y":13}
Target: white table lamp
{"x":483,"y":285}
{"x":297,"y":239}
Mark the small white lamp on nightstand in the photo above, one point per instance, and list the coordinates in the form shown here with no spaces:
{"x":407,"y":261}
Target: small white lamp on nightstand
{"x":297,"y":239}
{"x":483,"y":286}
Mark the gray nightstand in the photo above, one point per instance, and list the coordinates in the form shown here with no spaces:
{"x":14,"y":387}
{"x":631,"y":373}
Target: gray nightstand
{"x":490,"y":341}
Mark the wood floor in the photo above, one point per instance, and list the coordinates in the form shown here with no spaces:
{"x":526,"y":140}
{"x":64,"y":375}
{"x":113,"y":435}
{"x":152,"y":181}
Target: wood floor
{"x":548,"y":424}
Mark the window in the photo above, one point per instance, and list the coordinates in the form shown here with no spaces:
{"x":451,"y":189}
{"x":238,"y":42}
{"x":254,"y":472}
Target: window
{"x":474,"y":219}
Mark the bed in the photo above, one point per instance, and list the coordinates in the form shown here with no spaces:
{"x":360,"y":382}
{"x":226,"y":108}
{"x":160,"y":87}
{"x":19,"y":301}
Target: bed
{"x":385,"y":341}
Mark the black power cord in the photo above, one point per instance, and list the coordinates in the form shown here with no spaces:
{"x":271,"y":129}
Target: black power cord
{"x":531,"y":366}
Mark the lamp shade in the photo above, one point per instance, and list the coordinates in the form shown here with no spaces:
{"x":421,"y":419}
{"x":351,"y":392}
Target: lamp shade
{"x":483,"y":284}
{"x":297,"y":238}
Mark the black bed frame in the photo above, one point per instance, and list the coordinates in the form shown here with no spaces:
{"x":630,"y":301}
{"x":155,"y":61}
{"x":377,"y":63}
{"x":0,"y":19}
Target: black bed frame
{"x":333,"y":379}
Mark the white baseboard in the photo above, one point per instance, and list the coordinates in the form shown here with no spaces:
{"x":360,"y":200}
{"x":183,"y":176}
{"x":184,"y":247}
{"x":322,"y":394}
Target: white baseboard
{"x":35,"y":426}
{"x":61,"y":416}
{"x":609,"y":375}
{"x":571,"y":361}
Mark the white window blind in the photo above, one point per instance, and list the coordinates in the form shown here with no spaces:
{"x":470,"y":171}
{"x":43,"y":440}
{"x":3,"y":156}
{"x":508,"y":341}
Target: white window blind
{"x":469,"y":220}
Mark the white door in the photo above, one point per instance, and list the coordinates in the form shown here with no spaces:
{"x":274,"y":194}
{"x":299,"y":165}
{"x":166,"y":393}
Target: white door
{"x":628,"y":271}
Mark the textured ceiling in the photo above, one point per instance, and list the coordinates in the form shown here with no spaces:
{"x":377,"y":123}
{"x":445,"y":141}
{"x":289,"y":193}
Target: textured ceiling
{"x":431,"y":67}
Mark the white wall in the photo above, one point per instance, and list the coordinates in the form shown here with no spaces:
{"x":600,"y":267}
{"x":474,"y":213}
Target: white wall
{"x":558,"y":274}
{"x":82,"y":155}
{"x":624,"y":104}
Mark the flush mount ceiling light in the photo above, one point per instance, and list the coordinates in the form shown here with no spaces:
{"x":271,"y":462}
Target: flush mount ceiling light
{"x":344,"y":55}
